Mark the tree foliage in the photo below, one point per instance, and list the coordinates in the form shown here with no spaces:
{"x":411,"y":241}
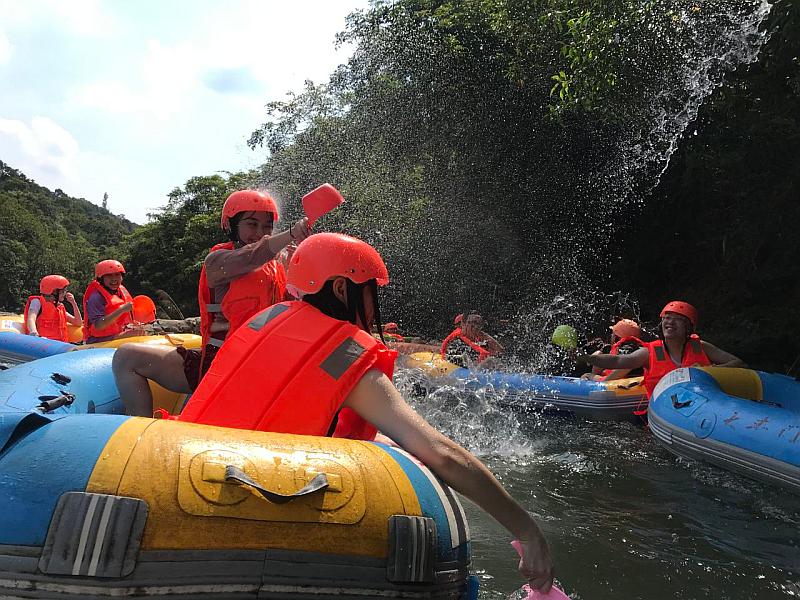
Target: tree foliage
{"x":490,"y":148}
{"x":44,"y":232}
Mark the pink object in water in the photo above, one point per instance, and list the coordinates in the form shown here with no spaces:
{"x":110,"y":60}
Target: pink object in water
{"x":555,"y":593}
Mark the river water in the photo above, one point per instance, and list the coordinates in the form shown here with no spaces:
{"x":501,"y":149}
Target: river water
{"x":625,"y":518}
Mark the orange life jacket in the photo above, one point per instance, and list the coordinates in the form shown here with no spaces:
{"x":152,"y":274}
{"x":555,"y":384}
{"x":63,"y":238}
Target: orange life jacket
{"x":615,"y":350}
{"x":483,"y":353}
{"x":113,"y":302}
{"x":246,"y":296}
{"x":660,"y":363}
{"x":289,"y":370}
{"x":51,"y":322}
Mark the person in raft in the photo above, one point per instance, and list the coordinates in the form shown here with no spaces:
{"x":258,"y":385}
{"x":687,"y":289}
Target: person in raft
{"x":45,"y":315}
{"x":468,"y":345}
{"x":311,"y":367}
{"x":678,"y":346}
{"x":625,"y":335}
{"x":391,"y":331}
{"x":239,"y":278}
{"x":108,"y":305}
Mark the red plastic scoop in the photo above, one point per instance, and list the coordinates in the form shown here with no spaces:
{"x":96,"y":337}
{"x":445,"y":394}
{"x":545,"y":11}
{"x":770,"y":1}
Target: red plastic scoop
{"x":321,"y":200}
{"x":144,"y":309}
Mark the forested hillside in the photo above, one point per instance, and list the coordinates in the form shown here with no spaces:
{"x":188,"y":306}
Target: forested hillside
{"x":43,"y":232}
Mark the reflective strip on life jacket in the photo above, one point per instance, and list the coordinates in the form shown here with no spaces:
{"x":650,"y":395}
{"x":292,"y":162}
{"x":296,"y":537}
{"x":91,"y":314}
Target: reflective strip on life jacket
{"x":289,"y":370}
{"x":113,"y":302}
{"x":51,"y":322}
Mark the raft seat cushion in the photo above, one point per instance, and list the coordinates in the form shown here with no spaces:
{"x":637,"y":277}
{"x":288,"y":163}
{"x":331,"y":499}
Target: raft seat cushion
{"x":742,"y":383}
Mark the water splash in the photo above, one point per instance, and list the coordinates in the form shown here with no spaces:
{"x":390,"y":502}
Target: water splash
{"x":476,"y":418}
{"x":712,"y":43}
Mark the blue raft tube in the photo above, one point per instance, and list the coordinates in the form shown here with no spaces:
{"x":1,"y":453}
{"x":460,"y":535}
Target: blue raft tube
{"x":16,"y":348}
{"x":738,"y":419}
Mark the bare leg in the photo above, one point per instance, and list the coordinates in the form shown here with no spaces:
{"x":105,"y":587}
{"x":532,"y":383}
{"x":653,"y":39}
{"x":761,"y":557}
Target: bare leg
{"x":134,"y":364}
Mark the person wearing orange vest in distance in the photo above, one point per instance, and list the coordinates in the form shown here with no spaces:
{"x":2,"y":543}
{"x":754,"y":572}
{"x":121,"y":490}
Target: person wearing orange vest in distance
{"x":45,"y":315}
{"x":238,"y":278}
{"x":392,"y":331}
{"x":108,"y":305}
{"x":677,"y":347}
{"x":311,"y":367}
{"x":468,"y":345}
{"x":625,"y":335}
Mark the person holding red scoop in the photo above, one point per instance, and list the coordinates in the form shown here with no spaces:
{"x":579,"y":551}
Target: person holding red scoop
{"x":239,"y":278}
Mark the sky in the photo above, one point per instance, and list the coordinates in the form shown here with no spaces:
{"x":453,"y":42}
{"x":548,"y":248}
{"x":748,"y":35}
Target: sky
{"x":134,"y":98}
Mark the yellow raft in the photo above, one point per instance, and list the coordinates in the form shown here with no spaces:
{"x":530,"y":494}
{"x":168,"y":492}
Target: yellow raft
{"x":153,"y":508}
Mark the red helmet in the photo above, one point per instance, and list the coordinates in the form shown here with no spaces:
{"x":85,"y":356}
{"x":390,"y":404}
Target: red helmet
{"x":108,"y":267}
{"x":626,"y":328}
{"x":323,"y":256}
{"x":681,"y":308}
{"x":247,"y":201}
{"x":390,"y":327}
{"x":51,"y":283}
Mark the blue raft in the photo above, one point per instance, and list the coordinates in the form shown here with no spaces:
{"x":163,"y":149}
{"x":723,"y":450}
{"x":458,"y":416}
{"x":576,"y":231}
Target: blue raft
{"x":593,"y":400}
{"x":742,"y":420}
{"x":62,"y":384}
{"x":616,"y":400}
{"x":16,"y":348}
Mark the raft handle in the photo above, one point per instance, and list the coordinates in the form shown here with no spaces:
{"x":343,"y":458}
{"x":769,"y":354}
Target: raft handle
{"x":236,"y":475}
{"x":50,"y":403}
{"x":60,"y":379}
{"x":677,"y":404}
{"x":629,"y":386}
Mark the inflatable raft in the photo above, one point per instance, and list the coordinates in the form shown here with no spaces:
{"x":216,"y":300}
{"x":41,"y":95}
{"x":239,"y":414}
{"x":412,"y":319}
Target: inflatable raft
{"x":16,"y":348}
{"x":742,"y":420}
{"x":104,"y":505}
{"x":595,"y":400}
{"x":73,"y":383}
{"x":14,"y":324}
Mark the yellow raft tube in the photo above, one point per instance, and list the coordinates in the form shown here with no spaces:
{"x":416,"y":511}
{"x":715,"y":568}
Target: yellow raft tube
{"x":155,"y":508}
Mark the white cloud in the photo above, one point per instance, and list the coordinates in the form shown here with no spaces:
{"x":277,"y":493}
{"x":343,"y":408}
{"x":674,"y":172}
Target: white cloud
{"x":244,"y":55}
{"x":78,"y":17}
{"x":44,"y":150}
{"x":175,"y":94}
{"x":6,"y":49}
{"x":159,"y":90}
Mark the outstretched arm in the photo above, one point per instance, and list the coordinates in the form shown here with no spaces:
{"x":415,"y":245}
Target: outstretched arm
{"x":379,"y":402}
{"x":720,"y":358}
{"x":223,"y":266}
{"x":634,"y":360}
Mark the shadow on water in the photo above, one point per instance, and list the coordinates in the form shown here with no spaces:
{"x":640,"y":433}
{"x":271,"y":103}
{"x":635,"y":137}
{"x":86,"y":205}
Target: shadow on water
{"x":625,"y":518}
